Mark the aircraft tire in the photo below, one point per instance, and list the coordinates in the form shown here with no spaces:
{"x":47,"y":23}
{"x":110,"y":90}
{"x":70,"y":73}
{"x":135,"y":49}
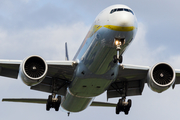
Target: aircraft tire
{"x":49,"y":103}
{"x":57,"y":104}
{"x":129,"y":103}
{"x":115,"y":59}
{"x":47,"y":107}
{"x":119,"y":107}
{"x":120,"y":59}
{"x":126,"y":112}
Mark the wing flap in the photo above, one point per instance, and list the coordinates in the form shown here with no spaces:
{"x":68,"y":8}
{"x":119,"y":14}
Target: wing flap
{"x":46,"y":86}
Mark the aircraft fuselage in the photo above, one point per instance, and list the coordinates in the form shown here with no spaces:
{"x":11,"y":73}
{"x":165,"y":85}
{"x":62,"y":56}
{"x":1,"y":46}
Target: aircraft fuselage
{"x":96,"y":69}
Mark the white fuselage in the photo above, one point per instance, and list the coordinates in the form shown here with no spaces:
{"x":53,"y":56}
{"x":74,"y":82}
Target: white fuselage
{"x":96,"y":69}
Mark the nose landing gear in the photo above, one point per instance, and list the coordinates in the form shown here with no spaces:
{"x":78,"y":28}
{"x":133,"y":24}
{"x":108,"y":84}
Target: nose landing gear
{"x":118,"y":57}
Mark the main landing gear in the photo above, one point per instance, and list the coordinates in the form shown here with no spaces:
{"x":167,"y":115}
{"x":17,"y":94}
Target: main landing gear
{"x":123,"y":106}
{"x":53,"y":102}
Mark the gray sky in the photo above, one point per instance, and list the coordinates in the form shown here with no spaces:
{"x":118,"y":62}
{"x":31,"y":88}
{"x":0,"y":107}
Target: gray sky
{"x":41,"y":27}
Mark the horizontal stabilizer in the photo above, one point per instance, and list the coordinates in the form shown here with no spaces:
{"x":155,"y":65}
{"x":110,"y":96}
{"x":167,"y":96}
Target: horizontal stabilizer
{"x":26,"y":100}
{"x":43,"y":101}
{"x":102,"y":104}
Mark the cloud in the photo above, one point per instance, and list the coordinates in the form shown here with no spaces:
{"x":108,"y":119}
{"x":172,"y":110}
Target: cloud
{"x":140,"y":52}
{"x":35,"y":14}
{"x":48,"y":42}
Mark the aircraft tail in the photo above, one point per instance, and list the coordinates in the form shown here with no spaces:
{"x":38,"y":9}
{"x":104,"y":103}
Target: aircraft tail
{"x":66,"y":52}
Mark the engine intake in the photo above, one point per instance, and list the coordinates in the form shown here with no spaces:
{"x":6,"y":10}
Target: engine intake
{"x":161,"y":77}
{"x":34,"y":67}
{"x":33,"y":70}
{"x":163,"y":74}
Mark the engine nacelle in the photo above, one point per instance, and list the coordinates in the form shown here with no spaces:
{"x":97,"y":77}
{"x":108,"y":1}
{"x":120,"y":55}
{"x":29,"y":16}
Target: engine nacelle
{"x":161,"y":77}
{"x":33,"y":70}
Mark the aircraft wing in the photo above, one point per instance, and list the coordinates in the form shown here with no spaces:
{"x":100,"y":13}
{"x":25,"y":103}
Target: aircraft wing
{"x":61,"y":71}
{"x":134,"y":77}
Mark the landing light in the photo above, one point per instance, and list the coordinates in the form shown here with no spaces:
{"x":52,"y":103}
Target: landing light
{"x":117,"y":42}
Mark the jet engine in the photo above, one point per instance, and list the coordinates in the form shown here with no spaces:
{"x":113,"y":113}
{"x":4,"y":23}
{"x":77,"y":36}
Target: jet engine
{"x":33,"y":70}
{"x":161,"y":77}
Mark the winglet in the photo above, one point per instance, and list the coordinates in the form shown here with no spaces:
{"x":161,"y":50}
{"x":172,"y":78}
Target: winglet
{"x":67,"y":56}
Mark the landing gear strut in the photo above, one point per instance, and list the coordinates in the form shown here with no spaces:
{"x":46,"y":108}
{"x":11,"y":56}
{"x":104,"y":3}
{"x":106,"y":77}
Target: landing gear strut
{"x":53,"y":101}
{"x":122,"y":105}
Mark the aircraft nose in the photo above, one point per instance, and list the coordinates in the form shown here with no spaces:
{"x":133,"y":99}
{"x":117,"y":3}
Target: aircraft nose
{"x":122,"y":21}
{"x":125,"y":20}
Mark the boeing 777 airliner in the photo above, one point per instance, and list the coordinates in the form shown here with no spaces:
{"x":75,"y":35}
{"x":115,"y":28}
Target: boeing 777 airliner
{"x":97,"y":67}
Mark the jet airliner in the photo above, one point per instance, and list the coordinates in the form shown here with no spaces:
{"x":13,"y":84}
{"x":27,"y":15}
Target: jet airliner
{"x":97,"y":67}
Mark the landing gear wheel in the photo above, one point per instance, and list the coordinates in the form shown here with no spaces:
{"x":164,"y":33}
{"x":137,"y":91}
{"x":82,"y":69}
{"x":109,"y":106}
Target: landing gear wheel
{"x":53,"y":103}
{"x":126,"y":112}
{"x":120,"y":59}
{"x":49,"y":103}
{"x":123,"y":106}
{"x":47,"y":107}
{"x":115,"y":59}
{"x":129,"y":103}
{"x":119,"y":106}
{"x":57,"y":104}
{"x":127,"y":108}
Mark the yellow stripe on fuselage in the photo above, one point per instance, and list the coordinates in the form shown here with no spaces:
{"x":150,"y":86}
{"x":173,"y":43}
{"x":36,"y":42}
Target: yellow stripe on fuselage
{"x":119,"y":28}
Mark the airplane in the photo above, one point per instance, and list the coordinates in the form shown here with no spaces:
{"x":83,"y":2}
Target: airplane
{"x":96,"y":68}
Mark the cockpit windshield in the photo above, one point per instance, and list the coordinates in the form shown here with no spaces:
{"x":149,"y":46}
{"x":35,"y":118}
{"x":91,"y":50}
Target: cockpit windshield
{"x":121,"y":9}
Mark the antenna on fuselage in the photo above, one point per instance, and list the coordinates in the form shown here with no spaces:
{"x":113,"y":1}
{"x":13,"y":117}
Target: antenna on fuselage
{"x":66,"y":52}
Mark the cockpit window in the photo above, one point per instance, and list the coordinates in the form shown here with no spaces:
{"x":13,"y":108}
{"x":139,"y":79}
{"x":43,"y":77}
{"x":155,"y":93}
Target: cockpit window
{"x":121,"y":9}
